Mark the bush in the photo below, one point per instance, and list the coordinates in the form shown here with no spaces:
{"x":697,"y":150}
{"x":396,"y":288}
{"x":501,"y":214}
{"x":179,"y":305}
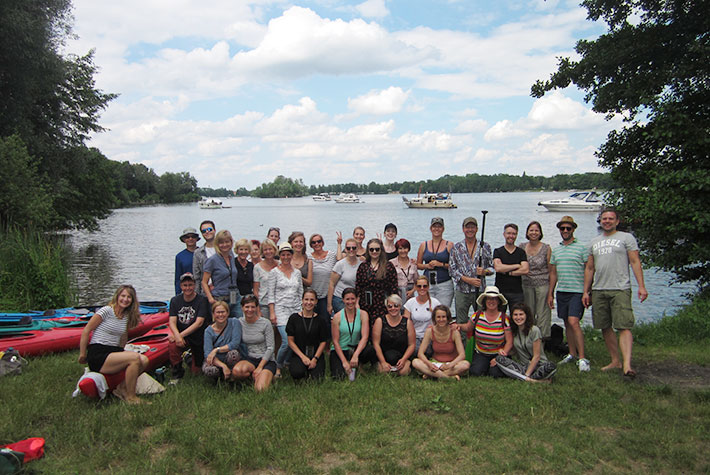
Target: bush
{"x":33,"y":271}
{"x":690,"y":324}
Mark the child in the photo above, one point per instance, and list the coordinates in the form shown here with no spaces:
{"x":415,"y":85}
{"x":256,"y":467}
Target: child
{"x":527,"y":342}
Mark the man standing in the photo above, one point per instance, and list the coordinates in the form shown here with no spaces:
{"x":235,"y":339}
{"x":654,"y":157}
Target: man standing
{"x":183,"y":259}
{"x":208,"y":230}
{"x":567,"y":273}
{"x":607,"y":276}
{"x":510,"y":262}
{"x":189,"y":315}
{"x":469,"y":265}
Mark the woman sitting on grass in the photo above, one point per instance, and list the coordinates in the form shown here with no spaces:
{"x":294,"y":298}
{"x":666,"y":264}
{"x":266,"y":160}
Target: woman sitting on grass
{"x":307,"y":337}
{"x":104,"y":351}
{"x":449,"y":358}
{"x":491,"y":330}
{"x":533,"y":365}
{"x":350,"y":330}
{"x":257,"y":334}
{"x":221,"y":343}
{"x":393,"y":339}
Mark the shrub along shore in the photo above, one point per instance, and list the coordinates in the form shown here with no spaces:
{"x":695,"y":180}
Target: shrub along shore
{"x":582,"y":422}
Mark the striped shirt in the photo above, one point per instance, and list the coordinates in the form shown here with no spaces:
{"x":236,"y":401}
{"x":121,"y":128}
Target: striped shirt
{"x":259,"y":338}
{"x":569,"y":260}
{"x":111,"y":328}
{"x":490,"y":336}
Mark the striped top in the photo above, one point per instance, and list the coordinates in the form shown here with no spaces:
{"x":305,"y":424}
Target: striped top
{"x":259,"y":338}
{"x":569,"y":260}
{"x":490,"y":337}
{"x":111,"y":328}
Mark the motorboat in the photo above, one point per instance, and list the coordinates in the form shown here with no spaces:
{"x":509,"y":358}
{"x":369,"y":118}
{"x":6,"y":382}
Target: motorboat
{"x":348,"y":198}
{"x":578,"y":201}
{"x":321,"y":197}
{"x":210,"y":203}
{"x":430,"y":200}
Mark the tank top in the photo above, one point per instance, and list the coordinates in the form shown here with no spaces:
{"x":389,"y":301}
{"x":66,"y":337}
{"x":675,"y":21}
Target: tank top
{"x":394,"y":337}
{"x":444,"y":352}
{"x":349,"y":332}
{"x":539,"y":274}
{"x":442,"y":255}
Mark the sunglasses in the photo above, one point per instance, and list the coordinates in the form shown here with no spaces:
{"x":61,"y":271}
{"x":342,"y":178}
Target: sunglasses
{"x":392,"y":305}
{"x":206,"y":230}
{"x":566,"y":228}
{"x":317,"y":241}
{"x":374,"y":249}
{"x":350,"y":248}
{"x":420,"y":286}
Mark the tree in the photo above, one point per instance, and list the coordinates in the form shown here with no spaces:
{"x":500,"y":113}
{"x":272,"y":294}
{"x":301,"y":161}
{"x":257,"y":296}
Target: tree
{"x":652,"y":68}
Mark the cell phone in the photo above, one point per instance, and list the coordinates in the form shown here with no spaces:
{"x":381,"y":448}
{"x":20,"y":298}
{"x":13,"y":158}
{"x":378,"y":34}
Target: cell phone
{"x":368,"y":297}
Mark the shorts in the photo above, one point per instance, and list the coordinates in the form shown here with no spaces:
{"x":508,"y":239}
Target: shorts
{"x":97,"y":353}
{"x":569,"y":304}
{"x":270,"y":365}
{"x":612,"y":309}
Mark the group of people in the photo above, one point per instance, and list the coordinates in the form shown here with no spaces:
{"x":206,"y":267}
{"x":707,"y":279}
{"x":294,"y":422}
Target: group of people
{"x":373,"y":303}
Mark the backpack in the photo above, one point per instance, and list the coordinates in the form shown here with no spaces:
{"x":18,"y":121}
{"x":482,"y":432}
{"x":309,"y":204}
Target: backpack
{"x":11,"y":362}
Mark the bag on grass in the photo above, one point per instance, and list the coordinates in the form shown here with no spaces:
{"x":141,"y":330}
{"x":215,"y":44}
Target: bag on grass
{"x":31,"y":449}
{"x":11,"y":362}
{"x":10,"y":462}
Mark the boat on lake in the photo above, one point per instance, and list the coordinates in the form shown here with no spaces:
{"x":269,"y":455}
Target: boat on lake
{"x":430,"y":200}
{"x":578,"y":201}
{"x":321,"y":197}
{"x":348,"y":198}
{"x":210,"y":203}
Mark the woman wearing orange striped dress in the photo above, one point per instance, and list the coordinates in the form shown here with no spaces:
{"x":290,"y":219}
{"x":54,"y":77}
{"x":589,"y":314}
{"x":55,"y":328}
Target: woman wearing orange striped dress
{"x":491,"y":329}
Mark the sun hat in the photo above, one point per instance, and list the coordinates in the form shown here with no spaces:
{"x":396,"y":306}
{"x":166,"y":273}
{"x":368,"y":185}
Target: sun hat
{"x":567,"y":220}
{"x":285,"y":247}
{"x":491,"y":291}
{"x":187,"y":232}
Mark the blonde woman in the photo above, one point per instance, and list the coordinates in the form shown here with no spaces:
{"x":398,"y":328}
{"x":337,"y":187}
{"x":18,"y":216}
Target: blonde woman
{"x":222,"y":269}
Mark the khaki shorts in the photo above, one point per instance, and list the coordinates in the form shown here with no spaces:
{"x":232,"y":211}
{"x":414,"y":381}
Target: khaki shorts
{"x":612,"y":309}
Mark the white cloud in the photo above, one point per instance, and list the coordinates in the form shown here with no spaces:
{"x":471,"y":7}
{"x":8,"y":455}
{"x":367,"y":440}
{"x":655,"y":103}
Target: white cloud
{"x":373,"y":9}
{"x":555,"y":111}
{"x":503,"y":129}
{"x":387,"y":101}
{"x":471,"y":126}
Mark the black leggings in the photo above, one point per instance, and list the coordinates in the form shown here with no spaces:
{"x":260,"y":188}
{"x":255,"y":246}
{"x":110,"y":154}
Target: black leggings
{"x":481,"y":366}
{"x":299,"y":371}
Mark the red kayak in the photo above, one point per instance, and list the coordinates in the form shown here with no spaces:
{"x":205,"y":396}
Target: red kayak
{"x":156,"y":339}
{"x":54,"y":340}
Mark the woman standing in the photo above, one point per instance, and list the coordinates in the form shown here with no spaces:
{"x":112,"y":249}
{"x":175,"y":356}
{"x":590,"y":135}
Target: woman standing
{"x":323,"y":263}
{"x":449,"y":357}
{"x":255,"y":254}
{"x":388,"y":243}
{"x":433,"y":258}
{"x":261,"y":274}
{"x":406,"y":269}
{"x":376,"y":280}
{"x":258,"y":339}
{"x":222,"y":270}
{"x":221,"y":343}
{"x":393,"y":339}
{"x":419,"y":308}
{"x":307,"y":337}
{"x":285,"y":291}
{"x":536,"y":283}
{"x":300,"y":260}
{"x":491,"y":331}
{"x":350,"y":330}
{"x":359,"y":236}
{"x":104,"y":350}
{"x":274,"y":234}
{"x":245,"y":269}
{"x":343,"y":276}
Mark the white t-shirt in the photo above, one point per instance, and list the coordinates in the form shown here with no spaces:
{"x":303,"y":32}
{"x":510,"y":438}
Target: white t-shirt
{"x":347,"y":275}
{"x":421,"y":314}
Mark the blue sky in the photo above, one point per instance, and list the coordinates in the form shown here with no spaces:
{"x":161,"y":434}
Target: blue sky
{"x":237,"y":92}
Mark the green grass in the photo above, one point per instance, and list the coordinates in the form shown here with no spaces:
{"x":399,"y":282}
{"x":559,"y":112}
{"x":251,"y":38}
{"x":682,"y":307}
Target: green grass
{"x":581,"y":422}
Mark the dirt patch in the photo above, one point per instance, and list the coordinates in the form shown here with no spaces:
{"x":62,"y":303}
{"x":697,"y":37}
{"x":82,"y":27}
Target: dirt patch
{"x":672,"y":373}
{"x":331,"y":462}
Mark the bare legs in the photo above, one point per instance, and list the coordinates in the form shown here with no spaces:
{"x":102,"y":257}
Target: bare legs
{"x":423,"y":367}
{"x":245,"y":370}
{"x":134,"y":364}
{"x":625,"y":342}
{"x":575,"y":337}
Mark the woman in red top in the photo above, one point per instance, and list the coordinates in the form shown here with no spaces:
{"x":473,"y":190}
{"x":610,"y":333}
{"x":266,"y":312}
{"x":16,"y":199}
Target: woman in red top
{"x":449,"y":359}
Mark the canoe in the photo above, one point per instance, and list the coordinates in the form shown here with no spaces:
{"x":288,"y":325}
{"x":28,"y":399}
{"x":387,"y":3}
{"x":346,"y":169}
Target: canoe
{"x":146,"y":308}
{"x":35,"y":325}
{"x":157,"y":341}
{"x":65,"y":338}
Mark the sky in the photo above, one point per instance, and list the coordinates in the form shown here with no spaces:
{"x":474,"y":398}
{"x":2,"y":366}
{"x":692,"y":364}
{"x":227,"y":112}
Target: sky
{"x":238,"y":92}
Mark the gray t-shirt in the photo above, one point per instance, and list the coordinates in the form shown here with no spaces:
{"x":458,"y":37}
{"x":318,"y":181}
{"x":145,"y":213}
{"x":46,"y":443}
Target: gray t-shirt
{"x":611,"y":260}
{"x":347,"y":275}
{"x":524,"y":345}
{"x":259,"y":338}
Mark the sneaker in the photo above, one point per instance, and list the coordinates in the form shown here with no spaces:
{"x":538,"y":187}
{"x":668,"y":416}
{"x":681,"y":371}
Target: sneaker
{"x":177,"y":371}
{"x":567,"y":359}
{"x":583,"y":365}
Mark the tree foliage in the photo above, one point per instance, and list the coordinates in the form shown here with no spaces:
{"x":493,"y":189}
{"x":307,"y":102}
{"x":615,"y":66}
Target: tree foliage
{"x":652,"y":67}
{"x":281,"y":187}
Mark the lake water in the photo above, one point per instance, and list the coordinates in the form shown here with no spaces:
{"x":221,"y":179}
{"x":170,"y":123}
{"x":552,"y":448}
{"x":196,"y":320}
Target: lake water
{"x":138,"y":245}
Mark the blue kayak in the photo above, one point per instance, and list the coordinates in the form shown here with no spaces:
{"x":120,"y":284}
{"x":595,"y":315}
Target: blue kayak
{"x":147,"y":307}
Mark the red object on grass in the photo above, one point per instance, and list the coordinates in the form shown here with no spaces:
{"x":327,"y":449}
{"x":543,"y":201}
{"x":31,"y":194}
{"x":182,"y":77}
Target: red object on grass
{"x":33,"y":448}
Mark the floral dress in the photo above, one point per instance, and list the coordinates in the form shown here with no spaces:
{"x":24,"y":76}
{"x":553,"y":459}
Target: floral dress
{"x":372,"y":291}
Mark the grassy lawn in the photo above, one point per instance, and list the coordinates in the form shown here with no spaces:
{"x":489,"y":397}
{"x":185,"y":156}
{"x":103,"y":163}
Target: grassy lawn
{"x":593,"y":422}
